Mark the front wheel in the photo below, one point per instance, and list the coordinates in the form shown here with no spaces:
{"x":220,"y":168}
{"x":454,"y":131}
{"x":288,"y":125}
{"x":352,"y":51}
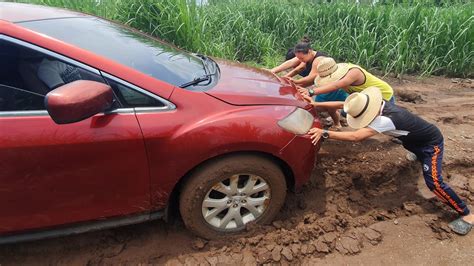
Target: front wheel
{"x":224,"y":196}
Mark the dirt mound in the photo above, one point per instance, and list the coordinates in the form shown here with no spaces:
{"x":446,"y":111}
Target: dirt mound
{"x":332,"y":214}
{"x":354,"y":188}
{"x":468,"y":83}
{"x":408,"y":96}
{"x":450,"y":119}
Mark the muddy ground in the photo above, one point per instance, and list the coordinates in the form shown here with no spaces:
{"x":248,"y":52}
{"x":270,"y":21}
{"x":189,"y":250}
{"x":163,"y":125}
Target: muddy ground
{"x":366,"y":204}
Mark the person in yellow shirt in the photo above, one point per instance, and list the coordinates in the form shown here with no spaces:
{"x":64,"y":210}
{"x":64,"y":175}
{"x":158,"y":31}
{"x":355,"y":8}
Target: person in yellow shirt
{"x":350,"y":77}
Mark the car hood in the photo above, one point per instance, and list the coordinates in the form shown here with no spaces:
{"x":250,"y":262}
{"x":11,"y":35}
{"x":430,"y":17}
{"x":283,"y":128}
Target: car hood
{"x":240,"y":84}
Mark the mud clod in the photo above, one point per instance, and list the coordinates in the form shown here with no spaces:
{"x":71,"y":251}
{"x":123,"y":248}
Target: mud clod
{"x":270,"y":247}
{"x":441,"y":229}
{"x":264,"y":257}
{"x":309,"y":249}
{"x":373,"y":236}
{"x":248,"y":258}
{"x":321,"y":246}
{"x":328,"y":225}
{"x":411,"y":208}
{"x":255,"y":240}
{"x":295,"y":248}
{"x":278,"y":224}
{"x":199,"y":244}
{"x":286,"y":252}
{"x":329,"y":238}
{"x":276,"y":254}
{"x":348,"y":245}
{"x":409,"y":96}
{"x":471,"y":186}
{"x":212,"y":260}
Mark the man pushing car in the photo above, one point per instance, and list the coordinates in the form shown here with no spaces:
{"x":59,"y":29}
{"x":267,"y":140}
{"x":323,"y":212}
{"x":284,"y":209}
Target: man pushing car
{"x":370,"y":114}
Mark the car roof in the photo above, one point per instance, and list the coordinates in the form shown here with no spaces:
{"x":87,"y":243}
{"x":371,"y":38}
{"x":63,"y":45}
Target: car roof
{"x":16,"y":12}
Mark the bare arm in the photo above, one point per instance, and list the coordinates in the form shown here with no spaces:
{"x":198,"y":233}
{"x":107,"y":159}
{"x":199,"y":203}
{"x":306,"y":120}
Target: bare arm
{"x":286,"y":65}
{"x":296,"y":71}
{"x":330,"y":105}
{"x":351,"y":77}
{"x":309,"y":80}
{"x":306,"y":81}
{"x":357,"y":135}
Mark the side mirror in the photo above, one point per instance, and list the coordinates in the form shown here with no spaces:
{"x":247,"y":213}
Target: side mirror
{"x":78,"y":100}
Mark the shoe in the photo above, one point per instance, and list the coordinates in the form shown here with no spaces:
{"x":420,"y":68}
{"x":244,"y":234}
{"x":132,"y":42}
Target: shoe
{"x":461,"y":227}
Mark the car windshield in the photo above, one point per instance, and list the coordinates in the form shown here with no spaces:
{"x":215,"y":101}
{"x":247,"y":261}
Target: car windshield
{"x":126,"y":46}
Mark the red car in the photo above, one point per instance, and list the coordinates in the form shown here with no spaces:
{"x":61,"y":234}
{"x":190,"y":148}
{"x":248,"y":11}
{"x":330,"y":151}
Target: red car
{"x":102,"y":126}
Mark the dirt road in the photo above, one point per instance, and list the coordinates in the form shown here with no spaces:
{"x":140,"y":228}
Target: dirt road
{"x":366,"y":204}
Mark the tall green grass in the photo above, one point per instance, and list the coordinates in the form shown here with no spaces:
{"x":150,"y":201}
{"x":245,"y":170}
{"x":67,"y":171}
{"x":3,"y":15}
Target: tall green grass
{"x":419,"y":38}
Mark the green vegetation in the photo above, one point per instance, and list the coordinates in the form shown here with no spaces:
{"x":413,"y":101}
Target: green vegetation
{"x":411,"y":37}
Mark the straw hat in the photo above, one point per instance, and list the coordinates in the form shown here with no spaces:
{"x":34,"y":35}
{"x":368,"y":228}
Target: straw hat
{"x":329,"y":71}
{"x":363,"y":107}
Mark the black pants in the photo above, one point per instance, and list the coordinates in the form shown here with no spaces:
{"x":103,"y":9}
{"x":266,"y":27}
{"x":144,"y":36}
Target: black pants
{"x":431,"y":158}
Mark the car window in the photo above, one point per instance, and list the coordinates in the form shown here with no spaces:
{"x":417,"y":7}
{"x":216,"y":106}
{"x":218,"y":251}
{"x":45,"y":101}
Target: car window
{"x":126,"y":46}
{"x":129,"y":98}
{"x":27,"y":75}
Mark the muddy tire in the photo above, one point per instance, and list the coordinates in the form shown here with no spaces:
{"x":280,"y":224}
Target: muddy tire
{"x":224,"y":196}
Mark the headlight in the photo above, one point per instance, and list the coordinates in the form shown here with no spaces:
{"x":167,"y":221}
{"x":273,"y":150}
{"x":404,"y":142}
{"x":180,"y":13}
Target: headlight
{"x":299,"y":122}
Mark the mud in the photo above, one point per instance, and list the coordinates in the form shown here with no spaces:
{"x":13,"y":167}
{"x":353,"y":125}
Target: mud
{"x":408,"y":96}
{"x":359,"y":194}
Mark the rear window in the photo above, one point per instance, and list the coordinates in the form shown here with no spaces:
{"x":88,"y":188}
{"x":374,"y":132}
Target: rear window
{"x":123,"y":45}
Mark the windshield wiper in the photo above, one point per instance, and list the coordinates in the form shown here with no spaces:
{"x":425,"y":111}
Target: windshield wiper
{"x":207,"y":76}
{"x":196,"y":81}
{"x":206,"y":60}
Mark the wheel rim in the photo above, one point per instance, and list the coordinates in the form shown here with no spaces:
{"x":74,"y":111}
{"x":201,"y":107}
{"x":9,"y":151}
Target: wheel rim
{"x":236,"y":201}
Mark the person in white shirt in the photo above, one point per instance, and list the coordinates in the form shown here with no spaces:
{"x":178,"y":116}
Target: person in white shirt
{"x":370,"y":114}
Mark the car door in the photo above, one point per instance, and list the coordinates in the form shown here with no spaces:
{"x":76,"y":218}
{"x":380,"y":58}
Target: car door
{"x":58,"y":174}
